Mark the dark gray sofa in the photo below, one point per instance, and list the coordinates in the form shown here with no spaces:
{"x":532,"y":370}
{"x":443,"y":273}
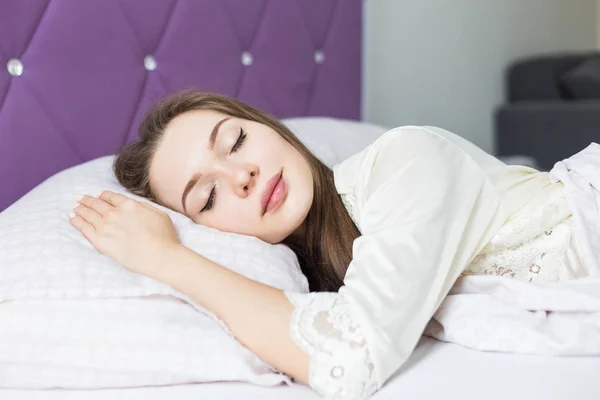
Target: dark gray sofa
{"x":542,"y":118}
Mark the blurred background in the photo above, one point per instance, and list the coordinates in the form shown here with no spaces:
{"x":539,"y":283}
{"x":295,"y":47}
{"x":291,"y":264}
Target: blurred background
{"x":513,"y":76}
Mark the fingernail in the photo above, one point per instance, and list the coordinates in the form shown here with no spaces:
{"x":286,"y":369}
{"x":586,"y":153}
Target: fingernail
{"x":78,"y":197}
{"x":71,"y":214}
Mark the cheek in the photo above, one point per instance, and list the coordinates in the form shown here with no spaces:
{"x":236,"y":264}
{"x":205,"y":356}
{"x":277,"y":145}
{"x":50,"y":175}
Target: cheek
{"x":270,"y":146}
{"x":264,"y":154}
{"x":237,"y":219}
{"x":231,"y":217}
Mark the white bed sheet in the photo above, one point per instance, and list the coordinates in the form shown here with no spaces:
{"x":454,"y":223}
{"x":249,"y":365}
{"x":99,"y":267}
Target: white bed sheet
{"x":436,"y":371}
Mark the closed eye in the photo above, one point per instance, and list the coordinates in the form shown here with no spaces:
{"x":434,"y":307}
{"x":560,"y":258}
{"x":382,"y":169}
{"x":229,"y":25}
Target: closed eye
{"x":211,"y":200}
{"x":239,"y":141}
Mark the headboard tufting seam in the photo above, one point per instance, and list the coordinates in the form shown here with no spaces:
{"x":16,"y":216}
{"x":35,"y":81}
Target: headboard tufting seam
{"x":136,"y":108}
{"x":35,"y":29}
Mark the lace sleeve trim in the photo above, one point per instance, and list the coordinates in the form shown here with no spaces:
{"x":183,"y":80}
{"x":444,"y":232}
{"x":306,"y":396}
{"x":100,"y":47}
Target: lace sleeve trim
{"x":340,"y":365}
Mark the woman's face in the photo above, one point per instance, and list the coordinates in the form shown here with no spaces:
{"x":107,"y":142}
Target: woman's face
{"x":232,"y":174}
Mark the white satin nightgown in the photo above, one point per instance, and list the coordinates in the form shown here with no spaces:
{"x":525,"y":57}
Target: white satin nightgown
{"x":430,"y":206}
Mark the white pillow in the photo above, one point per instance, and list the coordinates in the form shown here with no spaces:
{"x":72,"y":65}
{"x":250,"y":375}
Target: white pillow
{"x":334,"y":140}
{"x":145,"y":334}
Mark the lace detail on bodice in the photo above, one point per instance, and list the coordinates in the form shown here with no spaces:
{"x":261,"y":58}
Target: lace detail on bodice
{"x":323,"y":327}
{"x":534,"y":244}
{"x":534,"y":219}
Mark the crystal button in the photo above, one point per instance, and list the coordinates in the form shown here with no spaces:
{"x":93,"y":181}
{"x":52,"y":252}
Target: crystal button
{"x":319,"y":57}
{"x":150,"y":63}
{"x":14,"y":67}
{"x":247,"y":58}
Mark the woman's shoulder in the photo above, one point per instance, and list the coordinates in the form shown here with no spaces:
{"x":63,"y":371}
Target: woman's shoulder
{"x":406,"y":135}
{"x":394,"y":137}
{"x":413,"y":142}
{"x":405,"y":140}
{"x":392,"y":149}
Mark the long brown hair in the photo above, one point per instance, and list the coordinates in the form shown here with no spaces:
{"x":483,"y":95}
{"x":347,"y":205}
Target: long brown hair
{"x":324,"y":252}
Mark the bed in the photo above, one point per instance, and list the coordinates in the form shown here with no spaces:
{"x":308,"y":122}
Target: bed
{"x":77,"y":76}
{"x":436,"y":371}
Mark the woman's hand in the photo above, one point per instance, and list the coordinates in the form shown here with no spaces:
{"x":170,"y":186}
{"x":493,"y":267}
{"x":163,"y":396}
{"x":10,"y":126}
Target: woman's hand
{"x":134,"y":234}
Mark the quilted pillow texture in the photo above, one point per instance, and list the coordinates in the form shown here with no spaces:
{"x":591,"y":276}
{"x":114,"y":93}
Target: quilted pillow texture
{"x":71,"y":317}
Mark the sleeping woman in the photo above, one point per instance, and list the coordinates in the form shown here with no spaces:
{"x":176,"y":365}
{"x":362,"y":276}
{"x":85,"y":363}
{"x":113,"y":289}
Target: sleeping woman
{"x":381,"y":238}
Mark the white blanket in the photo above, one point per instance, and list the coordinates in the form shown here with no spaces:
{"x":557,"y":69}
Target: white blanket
{"x":495,"y":313}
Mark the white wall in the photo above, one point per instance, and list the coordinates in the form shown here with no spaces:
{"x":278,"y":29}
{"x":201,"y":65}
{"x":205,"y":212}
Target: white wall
{"x":442,"y":62}
{"x":598,"y":24}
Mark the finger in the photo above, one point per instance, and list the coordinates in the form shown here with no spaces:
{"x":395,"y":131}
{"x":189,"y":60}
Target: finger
{"x":89,"y":215}
{"x":112,"y":198}
{"x":98,"y":205}
{"x":82,"y":226}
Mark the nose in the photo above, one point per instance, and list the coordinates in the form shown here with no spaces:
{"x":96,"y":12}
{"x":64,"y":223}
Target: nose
{"x":242,"y":178}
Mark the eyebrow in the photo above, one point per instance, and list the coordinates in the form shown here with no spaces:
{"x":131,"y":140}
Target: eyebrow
{"x":211,"y":145}
{"x":213,"y":135}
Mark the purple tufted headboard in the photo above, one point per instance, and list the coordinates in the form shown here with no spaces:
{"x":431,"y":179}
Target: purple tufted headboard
{"x":76,"y":76}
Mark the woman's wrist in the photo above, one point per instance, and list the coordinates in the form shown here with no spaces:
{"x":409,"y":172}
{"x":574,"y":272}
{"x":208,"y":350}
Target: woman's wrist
{"x":167,"y":262}
{"x":193,"y":275}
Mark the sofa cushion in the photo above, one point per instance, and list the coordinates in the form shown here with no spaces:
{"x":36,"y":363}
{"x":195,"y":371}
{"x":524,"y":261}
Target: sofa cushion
{"x":583,"y":81}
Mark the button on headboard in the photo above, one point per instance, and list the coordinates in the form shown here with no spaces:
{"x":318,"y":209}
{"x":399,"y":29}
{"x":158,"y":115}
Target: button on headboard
{"x":76,"y":76}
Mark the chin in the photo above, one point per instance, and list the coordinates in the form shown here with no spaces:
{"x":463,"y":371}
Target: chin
{"x":278,"y":237}
{"x":274,"y":239}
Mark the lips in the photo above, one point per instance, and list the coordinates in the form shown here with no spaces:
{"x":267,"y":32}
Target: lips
{"x":267,"y":200}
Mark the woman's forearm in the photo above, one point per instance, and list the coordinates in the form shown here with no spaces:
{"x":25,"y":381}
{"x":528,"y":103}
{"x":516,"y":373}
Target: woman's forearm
{"x":258,"y":315}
